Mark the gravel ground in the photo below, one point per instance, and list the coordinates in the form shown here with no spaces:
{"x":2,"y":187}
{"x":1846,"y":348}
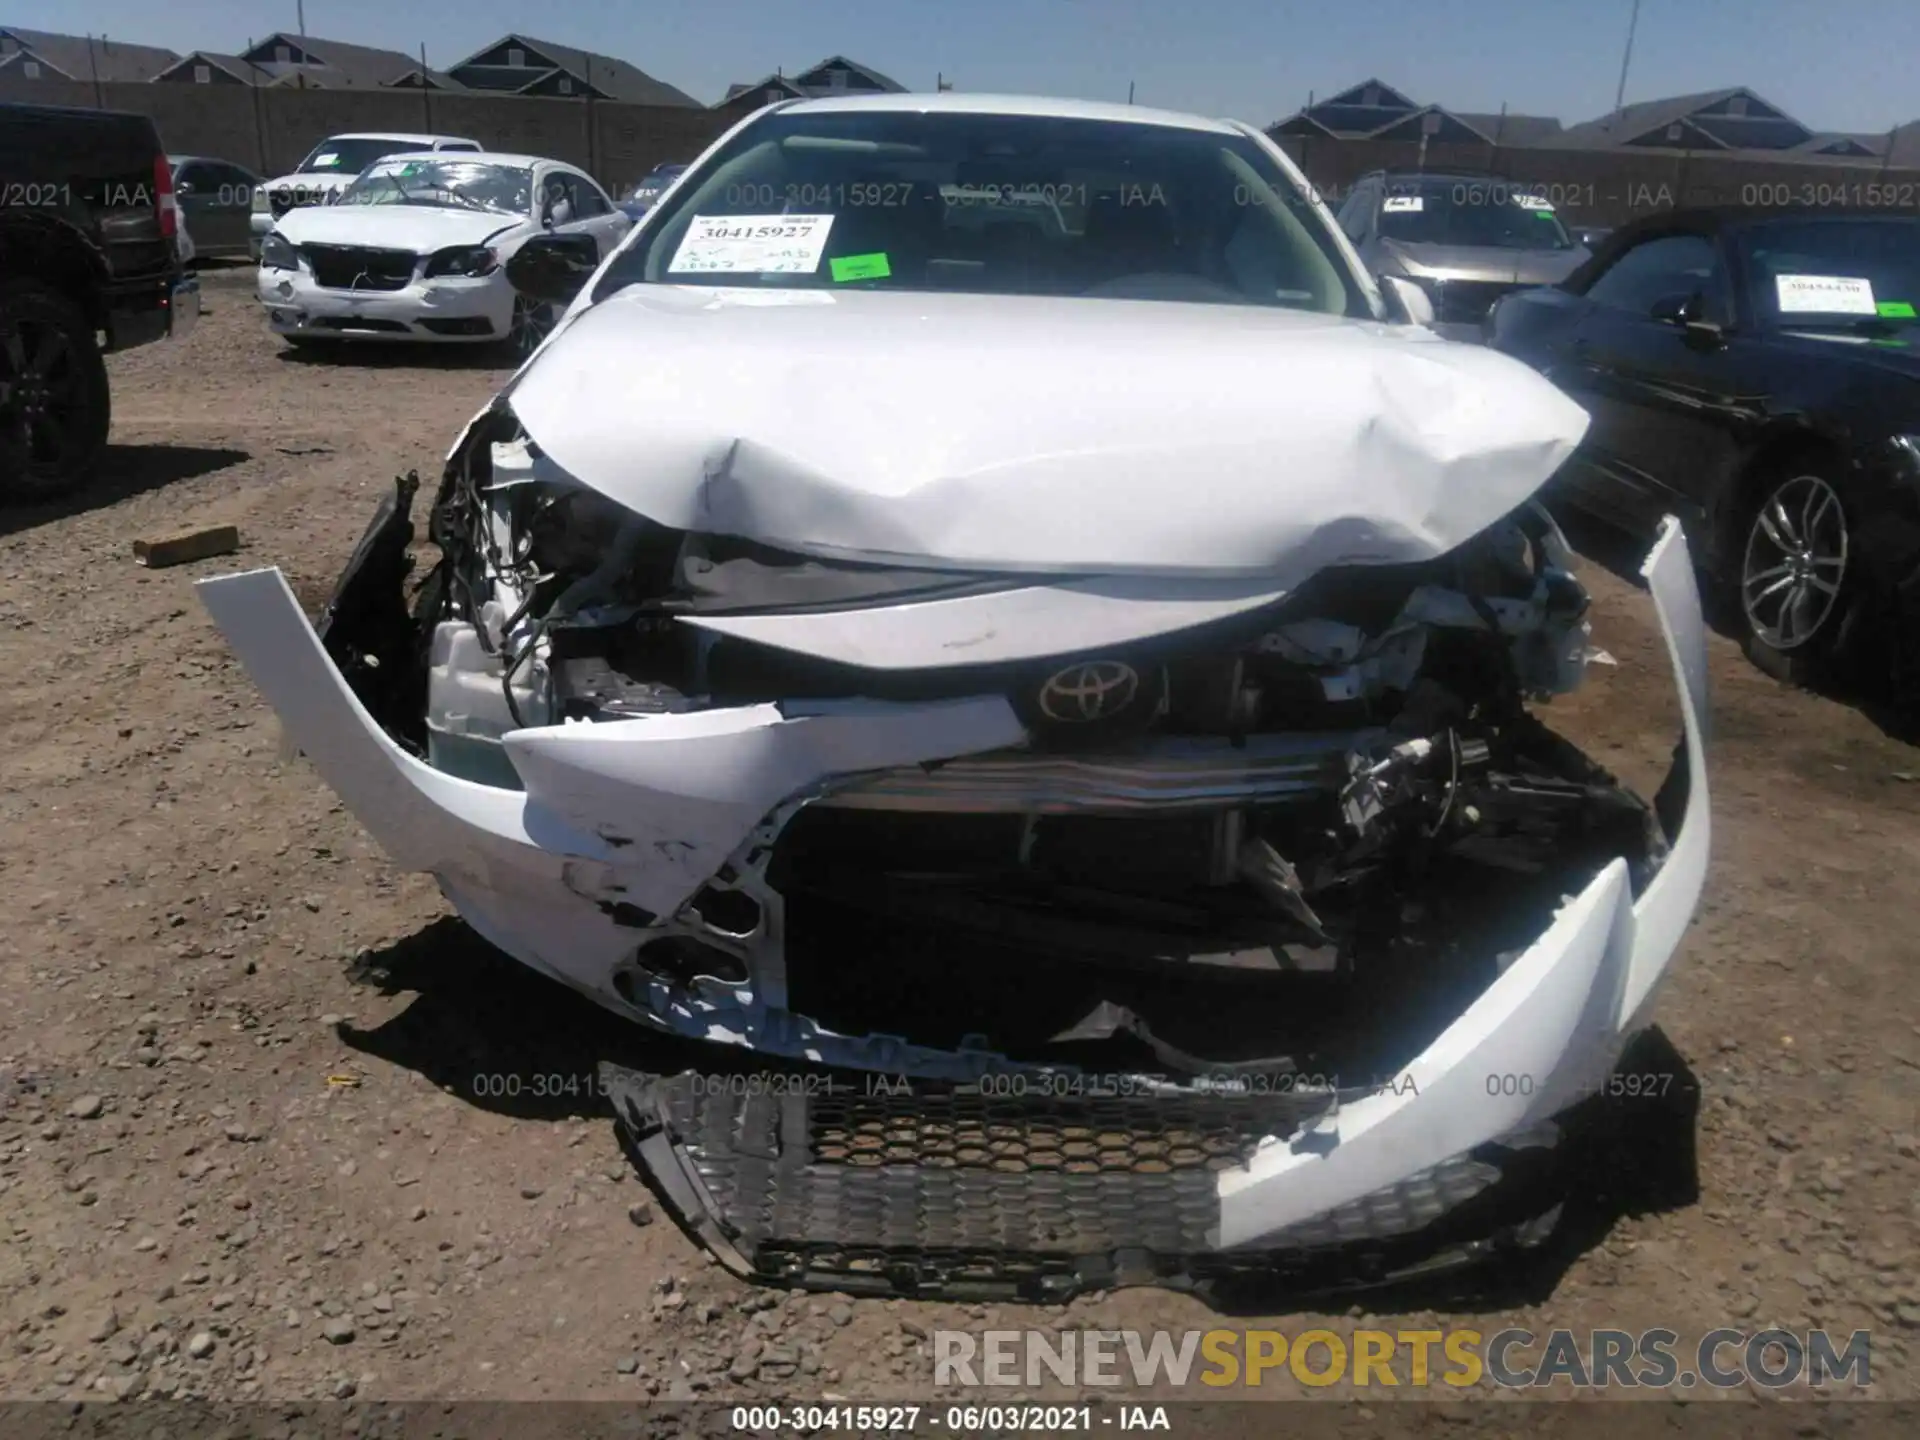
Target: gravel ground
{"x":241,"y":1152}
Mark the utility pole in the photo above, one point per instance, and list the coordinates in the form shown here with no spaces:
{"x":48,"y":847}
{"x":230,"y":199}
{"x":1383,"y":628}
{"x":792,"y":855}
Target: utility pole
{"x":426,"y":88}
{"x":1129,"y":92}
{"x":1626,"y":59}
{"x":93,"y":60}
{"x":300,"y":8}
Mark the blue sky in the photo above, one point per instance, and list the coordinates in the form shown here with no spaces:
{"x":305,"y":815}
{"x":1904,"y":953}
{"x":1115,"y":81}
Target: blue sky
{"x":1835,"y":64}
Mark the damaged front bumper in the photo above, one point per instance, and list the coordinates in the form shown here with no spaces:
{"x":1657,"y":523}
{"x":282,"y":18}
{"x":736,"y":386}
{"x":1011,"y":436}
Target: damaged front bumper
{"x":616,"y":865}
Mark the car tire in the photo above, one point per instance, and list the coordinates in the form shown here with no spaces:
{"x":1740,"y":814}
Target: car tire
{"x":532,"y":322}
{"x":1795,"y":571}
{"x":55,"y":406}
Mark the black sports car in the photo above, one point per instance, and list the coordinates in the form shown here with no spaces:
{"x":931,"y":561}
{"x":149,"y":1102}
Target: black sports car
{"x":1758,"y":374}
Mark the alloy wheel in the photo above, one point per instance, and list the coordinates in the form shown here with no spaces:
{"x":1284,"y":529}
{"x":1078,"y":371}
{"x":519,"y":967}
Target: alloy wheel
{"x":532,"y":319}
{"x":1795,"y":563}
{"x":40,"y":393}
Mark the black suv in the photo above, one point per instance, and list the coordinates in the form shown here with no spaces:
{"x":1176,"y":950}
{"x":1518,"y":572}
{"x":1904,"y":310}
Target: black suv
{"x":89,"y":262}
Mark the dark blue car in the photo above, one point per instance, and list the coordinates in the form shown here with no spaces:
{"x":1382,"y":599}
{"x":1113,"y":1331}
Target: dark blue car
{"x":648,"y":192}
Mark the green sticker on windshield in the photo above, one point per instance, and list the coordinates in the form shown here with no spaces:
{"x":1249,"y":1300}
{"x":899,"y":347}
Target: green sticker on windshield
{"x":1896,"y":309}
{"x":861,"y":267}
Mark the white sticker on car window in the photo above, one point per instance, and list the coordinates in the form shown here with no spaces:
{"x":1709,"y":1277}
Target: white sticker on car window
{"x":757,"y":244}
{"x":1825,"y":295}
{"x":326,"y":159}
{"x":1533,"y":202}
{"x":1399,"y":204}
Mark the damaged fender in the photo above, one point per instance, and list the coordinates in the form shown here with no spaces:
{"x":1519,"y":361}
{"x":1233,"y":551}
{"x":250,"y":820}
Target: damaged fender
{"x":1555,"y":1021}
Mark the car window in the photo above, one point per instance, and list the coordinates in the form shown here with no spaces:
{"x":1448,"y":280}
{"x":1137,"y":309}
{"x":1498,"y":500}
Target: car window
{"x":1827,"y":270}
{"x":1483,"y":214}
{"x":995,"y":204}
{"x":560,"y":197}
{"x":192,"y":173}
{"x":235,"y":185}
{"x":588,"y":201}
{"x":1658,"y":269}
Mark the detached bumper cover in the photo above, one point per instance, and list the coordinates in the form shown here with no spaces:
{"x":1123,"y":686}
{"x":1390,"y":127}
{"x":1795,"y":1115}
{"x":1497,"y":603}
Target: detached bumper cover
{"x":636,"y":816}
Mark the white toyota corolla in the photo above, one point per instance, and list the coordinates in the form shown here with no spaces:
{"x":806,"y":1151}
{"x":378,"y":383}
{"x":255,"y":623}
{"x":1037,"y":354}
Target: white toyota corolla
{"x":991,"y":594}
{"x":415,"y":249}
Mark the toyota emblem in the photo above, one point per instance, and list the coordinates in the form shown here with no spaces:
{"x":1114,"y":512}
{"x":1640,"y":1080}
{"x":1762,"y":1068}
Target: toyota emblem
{"x":1089,"y":691}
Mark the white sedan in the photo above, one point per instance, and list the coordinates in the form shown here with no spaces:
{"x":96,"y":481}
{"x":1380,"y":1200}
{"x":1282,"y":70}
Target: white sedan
{"x":416,"y":249}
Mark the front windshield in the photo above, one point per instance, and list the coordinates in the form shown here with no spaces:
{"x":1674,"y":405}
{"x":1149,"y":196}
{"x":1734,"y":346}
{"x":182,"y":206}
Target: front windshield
{"x":350,"y":157}
{"x":994,"y":204}
{"x":1483,"y":214}
{"x":461,"y":184}
{"x":1826,"y":271}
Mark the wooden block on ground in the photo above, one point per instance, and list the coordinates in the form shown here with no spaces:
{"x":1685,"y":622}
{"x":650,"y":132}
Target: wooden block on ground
{"x":187,"y":546}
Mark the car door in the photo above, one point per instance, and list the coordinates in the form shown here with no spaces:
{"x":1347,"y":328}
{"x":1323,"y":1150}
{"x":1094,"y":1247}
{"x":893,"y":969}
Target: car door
{"x":588,"y":210}
{"x":1658,"y":389}
{"x":231,"y":214}
{"x":196,"y":192}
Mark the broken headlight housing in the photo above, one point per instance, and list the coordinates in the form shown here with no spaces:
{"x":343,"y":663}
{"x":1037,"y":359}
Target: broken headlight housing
{"x":277,"y":253}
{"x":462,"y":261}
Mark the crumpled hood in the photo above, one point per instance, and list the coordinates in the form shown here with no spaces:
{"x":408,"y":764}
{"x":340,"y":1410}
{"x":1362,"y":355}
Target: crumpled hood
{"x":419,"y":228}
{"x":1483,"y":262}
{"x":1041,"y":435}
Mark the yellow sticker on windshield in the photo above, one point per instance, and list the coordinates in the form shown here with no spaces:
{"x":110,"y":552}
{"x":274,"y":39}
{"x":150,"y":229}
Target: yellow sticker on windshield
{"x":861,"y":267}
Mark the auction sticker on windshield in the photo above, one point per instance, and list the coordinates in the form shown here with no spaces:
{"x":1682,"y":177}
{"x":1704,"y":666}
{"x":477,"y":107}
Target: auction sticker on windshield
{"x":757,"y":244}
{"x":1825,"y":295}
{"x":1398,"y":204}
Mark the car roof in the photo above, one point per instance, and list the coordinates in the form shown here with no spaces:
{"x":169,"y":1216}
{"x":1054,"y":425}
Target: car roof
{"x":1039,"y":106}
{"x":489,"y":157}
{"x":409,"y":136}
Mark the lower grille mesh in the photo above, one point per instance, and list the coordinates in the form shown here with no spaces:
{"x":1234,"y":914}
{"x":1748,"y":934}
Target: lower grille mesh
{"x":1019,"y":1136}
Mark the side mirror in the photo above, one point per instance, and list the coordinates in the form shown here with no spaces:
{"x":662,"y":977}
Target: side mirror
{"x":1676,"y":309}
{"x":1413,"y":303}
{"x":553,"y":268}
{"x":1687,"y":313}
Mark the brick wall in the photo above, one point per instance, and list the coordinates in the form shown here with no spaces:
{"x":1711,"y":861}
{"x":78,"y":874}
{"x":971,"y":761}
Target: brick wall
{"x":269,"y":131}
{"x":1610,"y":187}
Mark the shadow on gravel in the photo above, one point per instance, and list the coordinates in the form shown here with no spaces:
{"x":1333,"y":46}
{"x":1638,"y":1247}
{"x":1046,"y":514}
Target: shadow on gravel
{"x":396,"y":355}
{"x":498,"y":1035}
{"x":125,"y":471}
